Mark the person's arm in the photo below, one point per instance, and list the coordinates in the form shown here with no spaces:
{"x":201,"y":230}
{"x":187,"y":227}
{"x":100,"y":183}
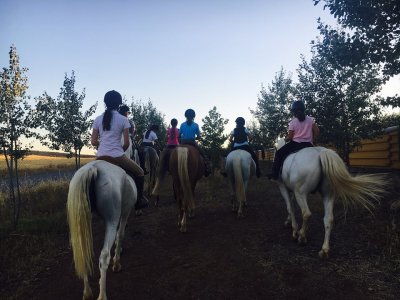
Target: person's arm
{"x":290,"y":135}
{"x":198,"y":134}
{"x":125,"y":134}
{"x":95,"y":137}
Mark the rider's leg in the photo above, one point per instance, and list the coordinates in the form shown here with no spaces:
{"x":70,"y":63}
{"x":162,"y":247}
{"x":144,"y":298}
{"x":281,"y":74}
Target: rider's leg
{"x":254,"y":156}
{"x":137,"y":173}
{"x":280,"y":156}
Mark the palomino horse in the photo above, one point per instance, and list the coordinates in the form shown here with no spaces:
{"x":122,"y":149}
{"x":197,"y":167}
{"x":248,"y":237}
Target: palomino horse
{"x":186,"y":166}
{"x":239,"y":166}
{"x":151,"y":161}
{"x":320,"y":169}
{"x":112,"y":193}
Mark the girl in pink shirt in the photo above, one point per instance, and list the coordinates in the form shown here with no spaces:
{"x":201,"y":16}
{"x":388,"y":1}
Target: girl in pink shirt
{"x":173,"y":135}
{"x":302,"y":131}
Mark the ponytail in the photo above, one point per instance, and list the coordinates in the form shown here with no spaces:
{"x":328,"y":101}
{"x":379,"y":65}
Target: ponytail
{"x":107,"y":119}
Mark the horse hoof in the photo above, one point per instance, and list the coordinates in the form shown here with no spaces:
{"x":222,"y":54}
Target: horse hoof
{"x":116,"y":267}
{"x":183,"y":230}
{"x":323,"y":254}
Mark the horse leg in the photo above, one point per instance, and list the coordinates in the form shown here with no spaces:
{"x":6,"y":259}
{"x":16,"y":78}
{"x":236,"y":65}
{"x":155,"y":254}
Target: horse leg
{"x":328,"y":223}
{"x":87,"y":291}
{"x":290,"y":209}
{"x":104,"y":261}
{"x":183,"y":221}
{"x":118,"y":244}
{"x":306,"y":214}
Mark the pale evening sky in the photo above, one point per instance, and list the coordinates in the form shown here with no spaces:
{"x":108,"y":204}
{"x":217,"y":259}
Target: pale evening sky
{"x":179,"y":54}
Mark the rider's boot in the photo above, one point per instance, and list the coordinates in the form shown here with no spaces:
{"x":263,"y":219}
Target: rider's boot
{"x":142,"y":201}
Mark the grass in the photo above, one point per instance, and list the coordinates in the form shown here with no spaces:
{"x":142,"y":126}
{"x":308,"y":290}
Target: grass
{"x":40,"y":163}
{"x":40,"y":235}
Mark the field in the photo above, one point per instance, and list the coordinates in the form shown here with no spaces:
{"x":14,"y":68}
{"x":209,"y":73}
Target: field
{"x":220,"y":257}
{"x":38,"y":163}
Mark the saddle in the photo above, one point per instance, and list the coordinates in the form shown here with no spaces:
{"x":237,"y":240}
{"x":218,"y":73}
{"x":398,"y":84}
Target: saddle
{"x":113,"y":161}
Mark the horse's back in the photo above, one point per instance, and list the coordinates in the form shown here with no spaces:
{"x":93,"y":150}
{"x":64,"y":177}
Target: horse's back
{"x":303,"y":169}
{"x":195,"y":163}
{"x":246,"y":161}
{"x":113,"y":187}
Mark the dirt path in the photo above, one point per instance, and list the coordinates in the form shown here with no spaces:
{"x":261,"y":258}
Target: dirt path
{"x":222,"y":257}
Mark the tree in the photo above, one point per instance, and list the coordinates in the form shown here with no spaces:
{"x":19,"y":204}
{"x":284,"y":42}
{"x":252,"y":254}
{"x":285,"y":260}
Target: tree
{"x":258,"y":136}
{"x":14,"y":124}
{"x":273,"y":108}
{"x":375,"y":32}
{"x":213,"y":136}
{"x":342,"y":99}
{"x":146,"y":114}
{"x":67,"y":127}
{"x":369,"y":35}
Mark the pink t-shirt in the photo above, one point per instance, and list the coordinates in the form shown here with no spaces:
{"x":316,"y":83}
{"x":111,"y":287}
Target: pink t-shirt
{"x":302,"y":130}
{"x":172,"y":140}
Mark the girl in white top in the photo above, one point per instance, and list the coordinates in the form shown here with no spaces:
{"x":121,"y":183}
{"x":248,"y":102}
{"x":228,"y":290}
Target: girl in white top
{"x":106,"y":136}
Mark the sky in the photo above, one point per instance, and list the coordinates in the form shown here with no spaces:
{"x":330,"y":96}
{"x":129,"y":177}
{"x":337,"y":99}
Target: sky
{"x":179,"y":54}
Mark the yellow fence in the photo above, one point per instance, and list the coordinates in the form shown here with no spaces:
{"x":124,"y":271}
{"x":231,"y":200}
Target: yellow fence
{"x":382,"y":152}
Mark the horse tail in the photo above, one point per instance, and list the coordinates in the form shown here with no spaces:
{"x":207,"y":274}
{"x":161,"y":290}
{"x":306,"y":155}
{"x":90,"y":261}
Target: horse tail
{"x":239,"y":183}
{"x":183,"y":154}
{"x":80,"y":220}
{"x":364,"y":190}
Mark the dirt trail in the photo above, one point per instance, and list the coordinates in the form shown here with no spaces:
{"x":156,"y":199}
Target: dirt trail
{"x":222,"y":257}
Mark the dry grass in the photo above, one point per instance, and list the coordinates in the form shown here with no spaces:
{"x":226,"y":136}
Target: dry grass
{"x":41,"y":231}
{"x":39,"y":163}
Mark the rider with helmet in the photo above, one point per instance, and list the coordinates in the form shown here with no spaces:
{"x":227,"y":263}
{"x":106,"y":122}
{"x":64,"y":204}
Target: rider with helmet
{"x":106,"y":136}
{"x":124,"y":110}
{"x":240,"y":137}
{"x":302,"y":132}
{"x":189,"y":132}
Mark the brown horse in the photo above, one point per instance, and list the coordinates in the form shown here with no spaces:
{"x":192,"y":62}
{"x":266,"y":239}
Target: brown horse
{"x":186,"y":167}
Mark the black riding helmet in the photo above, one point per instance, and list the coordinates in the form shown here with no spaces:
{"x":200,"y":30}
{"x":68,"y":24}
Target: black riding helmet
{"x":190,"y":114}
{"x":240,"y":121}
{"x":123,"y":109}
{"x":112,"y":99}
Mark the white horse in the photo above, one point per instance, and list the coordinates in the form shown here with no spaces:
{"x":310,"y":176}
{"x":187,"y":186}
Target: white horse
{"x":112,"y":194}
{"x":131,"y":152}
{"x":239,"y":167}
{"x":320,"y":169}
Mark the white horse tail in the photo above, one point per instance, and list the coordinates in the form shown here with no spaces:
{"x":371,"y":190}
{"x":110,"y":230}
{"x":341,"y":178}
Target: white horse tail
{"x":364,"y":190}
{"x":239,"y":183}
{"x":183,"y":172}
{"x":80,"y":220}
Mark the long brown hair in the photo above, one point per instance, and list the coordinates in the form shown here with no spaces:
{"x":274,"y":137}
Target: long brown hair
{"x":112,"y":99}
